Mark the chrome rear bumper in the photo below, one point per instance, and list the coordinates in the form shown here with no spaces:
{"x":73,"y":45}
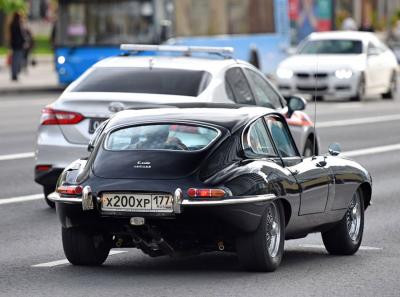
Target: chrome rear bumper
{"x":178,"y":204}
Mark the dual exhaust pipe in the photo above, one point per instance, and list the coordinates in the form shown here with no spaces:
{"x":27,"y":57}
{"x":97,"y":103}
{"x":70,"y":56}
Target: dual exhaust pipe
{"x":164,"y":247}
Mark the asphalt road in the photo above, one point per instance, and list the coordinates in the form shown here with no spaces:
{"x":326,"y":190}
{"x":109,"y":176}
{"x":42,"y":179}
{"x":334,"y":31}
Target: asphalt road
{"x":30,"y":232}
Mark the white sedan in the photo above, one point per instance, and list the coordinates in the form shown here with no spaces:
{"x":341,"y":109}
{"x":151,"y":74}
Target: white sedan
{"x":133,"y":81}
{"x":342,"y":64}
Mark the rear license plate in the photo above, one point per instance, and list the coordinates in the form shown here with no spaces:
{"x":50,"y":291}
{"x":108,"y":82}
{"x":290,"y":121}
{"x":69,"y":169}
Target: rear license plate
{"x":136,"y":202}
{"x":95,"y":123}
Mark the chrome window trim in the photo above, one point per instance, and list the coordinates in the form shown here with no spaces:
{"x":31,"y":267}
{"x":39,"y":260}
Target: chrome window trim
{"x":119,"y":127}
{"x":250,"y":126}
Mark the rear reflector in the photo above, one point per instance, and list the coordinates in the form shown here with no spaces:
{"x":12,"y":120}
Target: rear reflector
{"x":70,"y":190}
{"x":206,"y":192}
{"x":57,"y":117}
{"x":43,"y":167}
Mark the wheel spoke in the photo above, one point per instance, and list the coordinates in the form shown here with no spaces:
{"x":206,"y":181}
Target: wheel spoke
{"x":273,"y":230}
{"x":353,"y":216}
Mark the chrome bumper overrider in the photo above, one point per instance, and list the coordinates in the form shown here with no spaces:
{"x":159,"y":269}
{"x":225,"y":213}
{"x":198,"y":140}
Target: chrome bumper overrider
{"x":177,"y":204}
{"x":55,"y":197}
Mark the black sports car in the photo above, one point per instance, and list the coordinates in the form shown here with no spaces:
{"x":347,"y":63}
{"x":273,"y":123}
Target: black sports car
{"x":212,"y":177}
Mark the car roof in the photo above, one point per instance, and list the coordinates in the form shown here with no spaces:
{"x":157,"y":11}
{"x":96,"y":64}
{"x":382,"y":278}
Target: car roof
{"x":354,"y":35}
{"x":229,"y":116}
{"x":173,"y":62}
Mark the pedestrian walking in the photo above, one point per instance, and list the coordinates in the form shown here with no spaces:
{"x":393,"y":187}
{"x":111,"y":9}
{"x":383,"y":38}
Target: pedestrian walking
{"x":18,"y":44}
{"x":28,"y":37}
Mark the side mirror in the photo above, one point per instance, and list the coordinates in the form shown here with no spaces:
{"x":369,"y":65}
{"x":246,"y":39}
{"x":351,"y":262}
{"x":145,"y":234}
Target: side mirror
{"x":334,"y":149}
{"x":296,"y":103}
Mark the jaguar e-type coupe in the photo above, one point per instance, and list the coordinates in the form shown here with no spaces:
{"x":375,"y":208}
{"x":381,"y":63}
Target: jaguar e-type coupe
{"x":207,"y":177}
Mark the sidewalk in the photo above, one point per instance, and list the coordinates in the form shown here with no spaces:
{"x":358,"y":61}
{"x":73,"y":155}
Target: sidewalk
{"x":39,"y":78}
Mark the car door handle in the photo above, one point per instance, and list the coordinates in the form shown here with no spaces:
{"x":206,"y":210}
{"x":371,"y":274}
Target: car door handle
{"x":321,"y":164}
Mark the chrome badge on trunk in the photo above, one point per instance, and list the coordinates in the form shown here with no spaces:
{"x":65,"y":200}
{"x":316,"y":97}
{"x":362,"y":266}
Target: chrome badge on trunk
{"x":116,"y":106}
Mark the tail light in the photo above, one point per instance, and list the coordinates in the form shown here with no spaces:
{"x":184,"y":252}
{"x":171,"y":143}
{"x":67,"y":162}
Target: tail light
{"x":69,"y":190}
{"x":58,"y":117}
{"x":43,"y":167}
{"x":206,"y":192}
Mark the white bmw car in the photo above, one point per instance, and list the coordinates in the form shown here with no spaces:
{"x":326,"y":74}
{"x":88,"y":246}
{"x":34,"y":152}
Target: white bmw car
{"x":130,"y":81}
{"x":343,"y":64}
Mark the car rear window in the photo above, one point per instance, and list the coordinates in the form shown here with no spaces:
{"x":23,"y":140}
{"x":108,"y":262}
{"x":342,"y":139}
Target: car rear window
{"x":175,"y":137}
{"x":334,"y":46}
{"x":164,"y":81}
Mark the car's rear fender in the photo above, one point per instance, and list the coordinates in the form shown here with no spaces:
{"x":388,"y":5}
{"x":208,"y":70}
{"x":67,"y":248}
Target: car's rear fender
{"x":348,"y":177}
{"x":53,"y":149}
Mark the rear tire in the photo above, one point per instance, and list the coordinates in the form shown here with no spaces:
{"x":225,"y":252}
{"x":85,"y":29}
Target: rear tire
{"x":79,"y":248}
{"x":263,"y":249}
{"x":360,"y":89}
{"x":345,"y":238}
{"x":48,"y":190}
{"x":318,"y":98}
{"x":391,"y":93}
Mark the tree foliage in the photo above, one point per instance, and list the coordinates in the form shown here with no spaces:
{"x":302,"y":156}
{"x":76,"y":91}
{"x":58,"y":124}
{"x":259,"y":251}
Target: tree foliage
{"x":9,"y":6}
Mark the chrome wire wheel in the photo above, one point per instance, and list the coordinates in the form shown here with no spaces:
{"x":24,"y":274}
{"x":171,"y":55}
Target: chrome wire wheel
{"x":273,"y":230}
{"x":353,"y":217}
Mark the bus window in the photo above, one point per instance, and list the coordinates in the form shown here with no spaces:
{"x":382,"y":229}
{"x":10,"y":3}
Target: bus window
{"x":214,"y":17}
{"x":239,"y":85}
{"x":105,"y":22}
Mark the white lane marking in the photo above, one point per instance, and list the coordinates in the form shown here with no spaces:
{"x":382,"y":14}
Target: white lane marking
{"x":21,"y":199}
{"x":317,"y":246}
{"x":63,"y":262}
{"x":372,"y":150}
{"x":348,"y":105}
{"x":369,"y":120}
{"x":17,"y":156}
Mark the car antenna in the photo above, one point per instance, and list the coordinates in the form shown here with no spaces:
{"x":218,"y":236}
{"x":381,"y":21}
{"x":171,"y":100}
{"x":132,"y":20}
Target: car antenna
{"x":315,"y":107}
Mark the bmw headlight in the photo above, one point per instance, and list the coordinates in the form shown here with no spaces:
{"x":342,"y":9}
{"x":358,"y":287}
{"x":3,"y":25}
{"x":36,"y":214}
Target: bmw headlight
{"x":343,"y":73}
{"x":284,"y":73}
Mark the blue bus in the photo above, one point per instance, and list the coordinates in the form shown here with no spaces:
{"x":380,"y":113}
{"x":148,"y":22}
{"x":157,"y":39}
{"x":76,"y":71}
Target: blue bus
{"x":90,"y":30}
{"x":258,"y":30}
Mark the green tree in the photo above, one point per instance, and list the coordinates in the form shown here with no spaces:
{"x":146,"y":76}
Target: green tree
{"x":10,"y":6}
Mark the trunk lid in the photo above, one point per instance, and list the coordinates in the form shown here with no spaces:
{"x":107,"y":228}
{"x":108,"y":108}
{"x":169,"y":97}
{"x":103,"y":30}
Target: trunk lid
{"x":95,"y":107}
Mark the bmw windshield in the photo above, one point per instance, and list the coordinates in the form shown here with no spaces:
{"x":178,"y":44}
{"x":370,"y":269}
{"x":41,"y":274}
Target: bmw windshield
{"x":334,"y":46}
